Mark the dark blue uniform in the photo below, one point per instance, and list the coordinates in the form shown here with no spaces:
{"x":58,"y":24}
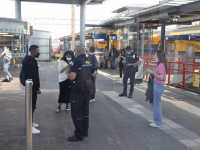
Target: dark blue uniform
{"x":80,"y":95}
{"x":130,"y":72}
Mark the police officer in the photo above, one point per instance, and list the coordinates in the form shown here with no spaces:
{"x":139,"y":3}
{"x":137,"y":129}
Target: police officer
{"x":131,"y":62}
{"x":80,"y":73}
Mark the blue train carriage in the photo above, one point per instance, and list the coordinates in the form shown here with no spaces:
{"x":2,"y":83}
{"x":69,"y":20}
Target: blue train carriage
{"x":191,"y":30}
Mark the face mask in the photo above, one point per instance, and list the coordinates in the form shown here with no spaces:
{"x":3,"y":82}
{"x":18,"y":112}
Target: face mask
{"x":157,"y":60}
{"x":69,"y":59}
{"x":38,"y":54}
{"x":129,"y":53}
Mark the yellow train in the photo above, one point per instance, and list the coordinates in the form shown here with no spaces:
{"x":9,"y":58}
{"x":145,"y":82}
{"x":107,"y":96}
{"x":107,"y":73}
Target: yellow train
{"x":175,"y":39}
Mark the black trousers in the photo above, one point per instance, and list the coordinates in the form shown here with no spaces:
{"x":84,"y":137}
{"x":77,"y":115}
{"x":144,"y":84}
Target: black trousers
{"x":64,"y":96}
{"x":80,"y":112}
{"x":128,"y":74}
{"x":106,"y":63}
{"x":34,"y":100}
{"x":121,"y":68}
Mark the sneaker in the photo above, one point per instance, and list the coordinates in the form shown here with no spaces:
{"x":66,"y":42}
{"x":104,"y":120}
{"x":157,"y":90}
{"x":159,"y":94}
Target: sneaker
{"x":120,"y":79}
{"x":6,"y":80}
{"x":67,"y":108}
{"x":74,"y":139}
{"x":35,"y":125}
{"x":35,"y":131}
{"x":11,"y":79}
{"x":154,"y":125}
{"x":122,"y":94}
{"x":151,"y":121}
{"x":91,"y":100}
{"x":58,"y":109}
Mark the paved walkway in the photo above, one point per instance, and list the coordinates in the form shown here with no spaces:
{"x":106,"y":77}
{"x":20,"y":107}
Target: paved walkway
{"x":115,"y":123}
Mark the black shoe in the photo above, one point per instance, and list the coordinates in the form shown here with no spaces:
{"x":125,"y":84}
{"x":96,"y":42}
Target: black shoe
{"x":122,"y":94}
{"x":74,"y":139}
{"x":130,"y":96}
{"x":6,"y":80}
{"x":85,"y":135}
{"x":10,"y":79}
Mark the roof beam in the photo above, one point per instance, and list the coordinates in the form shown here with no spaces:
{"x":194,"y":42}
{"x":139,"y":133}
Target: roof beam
{"x":85,"y":2}
{"x":95,"y":25}
{"x":189,"y":8}
{"x":54,"y":1}
{"x":192,"y":13}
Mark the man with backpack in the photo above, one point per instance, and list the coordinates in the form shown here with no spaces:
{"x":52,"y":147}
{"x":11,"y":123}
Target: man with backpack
{"x":30,"y":71}
{"x":7,"y":56}
{"x":95,"y":64}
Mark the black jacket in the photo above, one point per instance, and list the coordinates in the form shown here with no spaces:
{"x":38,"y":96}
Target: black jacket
{"x":149,"y":92}
{"x":32,"y":72}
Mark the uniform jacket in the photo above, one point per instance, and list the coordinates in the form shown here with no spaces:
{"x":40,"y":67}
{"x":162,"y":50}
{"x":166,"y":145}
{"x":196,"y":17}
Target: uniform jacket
{"x":149,"y":92}
{"x":32,"y":72}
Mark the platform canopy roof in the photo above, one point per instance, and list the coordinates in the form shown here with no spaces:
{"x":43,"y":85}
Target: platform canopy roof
{"x":75,"y":2}
{"x":186,"y":11}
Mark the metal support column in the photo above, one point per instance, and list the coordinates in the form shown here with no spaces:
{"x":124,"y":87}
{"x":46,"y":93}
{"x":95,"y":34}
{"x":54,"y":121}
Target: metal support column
{"x":138,"y":38}
{"x":142,"y":39}
{"x":73,"y":27}
{"x":18,"y":9}
{"x":162,"y":46}
{"x":28,"y":100}
{"x":82,"y":23}
{"x":50,"y":51}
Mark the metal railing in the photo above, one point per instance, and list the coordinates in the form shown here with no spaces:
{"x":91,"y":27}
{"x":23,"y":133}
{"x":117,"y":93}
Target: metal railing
{"x":150,"y":62}
{"x":28,"y":99}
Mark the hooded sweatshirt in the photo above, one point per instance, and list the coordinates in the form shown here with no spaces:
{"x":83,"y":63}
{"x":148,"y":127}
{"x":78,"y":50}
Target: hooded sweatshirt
{"x":32,"y":72}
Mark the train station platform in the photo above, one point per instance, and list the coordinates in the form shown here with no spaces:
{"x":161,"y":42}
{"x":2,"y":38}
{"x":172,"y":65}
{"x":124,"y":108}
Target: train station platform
{"x":115,"y":123}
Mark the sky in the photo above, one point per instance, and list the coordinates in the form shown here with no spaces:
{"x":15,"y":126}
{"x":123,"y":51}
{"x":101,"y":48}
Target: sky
{"x":56,"y":18}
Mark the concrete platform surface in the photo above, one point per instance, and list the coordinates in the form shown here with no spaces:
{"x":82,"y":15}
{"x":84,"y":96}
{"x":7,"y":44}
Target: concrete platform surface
{"x":115,"y":123}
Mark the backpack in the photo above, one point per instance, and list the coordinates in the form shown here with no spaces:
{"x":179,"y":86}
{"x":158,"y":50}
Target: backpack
{"x":93,"y":61}
{"x":22,"y":76}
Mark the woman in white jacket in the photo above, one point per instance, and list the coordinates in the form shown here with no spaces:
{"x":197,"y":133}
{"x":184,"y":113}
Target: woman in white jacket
{"x":64,"y":82}
{"x":7,"y":56}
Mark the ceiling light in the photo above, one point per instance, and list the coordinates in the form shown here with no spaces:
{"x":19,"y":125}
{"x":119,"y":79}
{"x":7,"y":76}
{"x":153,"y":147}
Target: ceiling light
{"x":8,"y":35}
{"x":3,"y":33}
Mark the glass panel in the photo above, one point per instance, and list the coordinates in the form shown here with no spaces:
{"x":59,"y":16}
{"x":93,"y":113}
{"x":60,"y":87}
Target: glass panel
{"x":125,"y":40}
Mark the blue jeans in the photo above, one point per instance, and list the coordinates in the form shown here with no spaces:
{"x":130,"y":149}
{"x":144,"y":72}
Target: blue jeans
{"x":5,"y":69}
{"x":157,"y":111}
{"x":93,"y":92}
{"x":113,"y":62}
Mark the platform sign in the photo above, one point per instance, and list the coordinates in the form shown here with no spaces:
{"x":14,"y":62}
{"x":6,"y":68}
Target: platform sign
{"x":196,"y":80}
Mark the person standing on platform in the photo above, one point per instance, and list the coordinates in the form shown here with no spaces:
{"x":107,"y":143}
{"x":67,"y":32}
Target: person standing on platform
{"x":131,"y":62}
{"x":80,"y":73}
{"x":7,"y":56}
{"x":113,"y":55}
{"x":106,"y":57}
{"x":95,"y":64}
{"x":159,"y":87}
{"x":32,"y":72}
{"x":121,"y":65}
{"x":64,"y":82}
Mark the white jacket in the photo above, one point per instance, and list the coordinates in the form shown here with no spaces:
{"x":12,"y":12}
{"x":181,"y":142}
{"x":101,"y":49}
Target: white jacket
{"x":7,"y":55}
